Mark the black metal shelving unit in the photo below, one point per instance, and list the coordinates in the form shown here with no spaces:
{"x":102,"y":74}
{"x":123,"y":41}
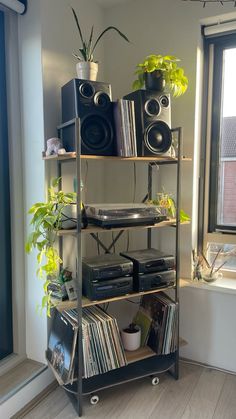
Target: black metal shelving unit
{"x":154,"y":364}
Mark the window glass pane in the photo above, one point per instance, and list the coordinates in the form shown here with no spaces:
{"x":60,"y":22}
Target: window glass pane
{"x":224,"y":253}
{"x":226,"y":208}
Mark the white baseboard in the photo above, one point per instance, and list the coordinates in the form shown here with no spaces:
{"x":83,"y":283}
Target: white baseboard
{"x":22,"y":397}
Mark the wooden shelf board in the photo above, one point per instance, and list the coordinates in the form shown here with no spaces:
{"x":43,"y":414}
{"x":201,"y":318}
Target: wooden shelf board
{"x":95,"y":229}
{"x":65,"y":305}
{"x":141,"y":353}
{"x":72,"y":155}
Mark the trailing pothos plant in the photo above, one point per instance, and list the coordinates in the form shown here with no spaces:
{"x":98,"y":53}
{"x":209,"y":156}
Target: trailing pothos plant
{"x":46,"y":221}
{"x":89,"y":46}
{"x":173,"y":75}
{"x":167,"y":203}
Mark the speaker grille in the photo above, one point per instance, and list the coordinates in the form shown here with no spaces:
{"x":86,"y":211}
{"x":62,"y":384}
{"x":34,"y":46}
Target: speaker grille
{"x":96,"y":134}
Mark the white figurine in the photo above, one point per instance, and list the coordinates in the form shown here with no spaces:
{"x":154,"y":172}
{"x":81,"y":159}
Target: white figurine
{"x":53,"y":145}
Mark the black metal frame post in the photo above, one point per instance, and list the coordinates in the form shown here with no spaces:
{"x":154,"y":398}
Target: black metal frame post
{"x":79,"y":268}
{"x":177,"y":241}
{"x":149,"y":232}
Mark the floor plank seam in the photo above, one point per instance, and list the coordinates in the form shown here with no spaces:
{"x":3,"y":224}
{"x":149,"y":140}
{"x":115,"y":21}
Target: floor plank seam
{"x":197,"y":381}
{"x":221,"y":391}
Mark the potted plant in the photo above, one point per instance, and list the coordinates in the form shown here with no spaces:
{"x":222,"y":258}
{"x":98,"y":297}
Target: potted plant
{"x":131,"y":337}
{"x":87,"y":67}
{"x":47,"y":219}
{"x":167,"y":206}
{"x":158,"y":71}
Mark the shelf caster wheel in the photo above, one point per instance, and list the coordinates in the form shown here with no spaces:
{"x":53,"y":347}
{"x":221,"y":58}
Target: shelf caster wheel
{"x":94,"y":399}
{"x":155,"y":381}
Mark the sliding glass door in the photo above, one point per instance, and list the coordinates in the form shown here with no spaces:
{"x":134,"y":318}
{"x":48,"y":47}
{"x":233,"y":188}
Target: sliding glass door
{"x":6,"y":339}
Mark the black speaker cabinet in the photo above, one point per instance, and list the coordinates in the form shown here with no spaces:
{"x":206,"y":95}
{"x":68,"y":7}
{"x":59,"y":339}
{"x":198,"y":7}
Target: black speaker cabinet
{"x":89,"y":101}
{"x":153,"y":122}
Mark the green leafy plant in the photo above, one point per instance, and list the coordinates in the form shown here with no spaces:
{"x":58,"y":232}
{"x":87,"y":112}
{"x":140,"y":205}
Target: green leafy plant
{"x":167,"y":206}
{"x":173,"y":75}
{"x":46,"y":221}
{"x":88,"y":47}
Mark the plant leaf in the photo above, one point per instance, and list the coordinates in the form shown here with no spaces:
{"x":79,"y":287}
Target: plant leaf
{"x":106,"y":30}
{"x":78,"y":25}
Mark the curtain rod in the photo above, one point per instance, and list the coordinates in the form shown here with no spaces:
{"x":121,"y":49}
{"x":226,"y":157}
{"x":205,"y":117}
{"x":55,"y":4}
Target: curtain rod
{"x":14,"y":5}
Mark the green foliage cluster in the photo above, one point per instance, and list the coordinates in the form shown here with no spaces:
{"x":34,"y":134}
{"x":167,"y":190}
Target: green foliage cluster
{"x":88,"y":47}
{"x":166,"y":202}
{"x":46,"y":221}
{"x":173,"y":75}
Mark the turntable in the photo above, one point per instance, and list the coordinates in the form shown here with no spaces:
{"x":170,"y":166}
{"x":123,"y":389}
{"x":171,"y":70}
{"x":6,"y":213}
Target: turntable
{"x":123,"y":215}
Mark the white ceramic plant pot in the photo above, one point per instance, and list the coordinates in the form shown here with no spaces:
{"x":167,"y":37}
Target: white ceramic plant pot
{"x":87,"y":70}
{"x":69,"y":216}
{"x":131,"y":341}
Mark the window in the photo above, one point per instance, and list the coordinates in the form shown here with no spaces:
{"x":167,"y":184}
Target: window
{"x":218,"y":216}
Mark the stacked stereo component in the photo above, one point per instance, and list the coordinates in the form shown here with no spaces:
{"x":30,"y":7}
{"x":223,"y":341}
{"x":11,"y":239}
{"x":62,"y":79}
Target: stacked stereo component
{"x":106,"y":276}
{"x":152,"y":269}
{"x":112,"y":275}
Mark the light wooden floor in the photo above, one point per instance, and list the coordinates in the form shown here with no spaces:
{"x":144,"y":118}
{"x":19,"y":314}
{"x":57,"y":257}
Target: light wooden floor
{"x":10,"y":381}
{"x":200,"y":393}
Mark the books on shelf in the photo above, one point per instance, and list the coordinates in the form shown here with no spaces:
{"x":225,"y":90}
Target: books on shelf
{"x":162,"y":309}
{"x":124,"y":119}
{"x":102,"y":347}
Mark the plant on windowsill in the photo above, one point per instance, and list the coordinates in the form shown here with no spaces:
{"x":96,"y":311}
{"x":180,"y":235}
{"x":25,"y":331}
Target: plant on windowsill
{"x":47,"y":219}
{"x":158,"y":71}
{"x":87,"y":67}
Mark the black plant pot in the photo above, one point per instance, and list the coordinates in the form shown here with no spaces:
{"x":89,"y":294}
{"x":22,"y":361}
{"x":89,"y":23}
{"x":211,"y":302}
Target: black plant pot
{"x":154,"y":81}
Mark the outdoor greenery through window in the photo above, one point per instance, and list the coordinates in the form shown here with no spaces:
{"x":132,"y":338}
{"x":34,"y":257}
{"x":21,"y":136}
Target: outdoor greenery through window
{"x":219,"y":217}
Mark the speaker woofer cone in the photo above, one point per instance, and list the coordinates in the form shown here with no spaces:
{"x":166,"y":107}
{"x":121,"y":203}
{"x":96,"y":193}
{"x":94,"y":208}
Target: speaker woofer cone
{"x":96,"y":134}
{"x":158,"y":138}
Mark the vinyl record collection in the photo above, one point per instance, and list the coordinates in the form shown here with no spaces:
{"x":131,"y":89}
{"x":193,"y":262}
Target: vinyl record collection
{"x":102,"y":347}
{"x":163,"y":331}
{"x":124,"y":120}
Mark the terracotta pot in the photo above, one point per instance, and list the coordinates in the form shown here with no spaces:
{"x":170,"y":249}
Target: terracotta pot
{"x":87,"y":70}
{"x":154,"y":81}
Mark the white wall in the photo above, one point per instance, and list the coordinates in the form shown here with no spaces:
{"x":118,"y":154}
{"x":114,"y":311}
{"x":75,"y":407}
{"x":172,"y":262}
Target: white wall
{"x":33,"y":167}
{"x":173,"y":27}
{"x":46,"y":63}
{"x":165,"y":27}
{"x":207,"y":322}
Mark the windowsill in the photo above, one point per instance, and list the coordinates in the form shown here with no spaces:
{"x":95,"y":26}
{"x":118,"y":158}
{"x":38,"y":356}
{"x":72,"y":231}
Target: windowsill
{"x":224,"y":285}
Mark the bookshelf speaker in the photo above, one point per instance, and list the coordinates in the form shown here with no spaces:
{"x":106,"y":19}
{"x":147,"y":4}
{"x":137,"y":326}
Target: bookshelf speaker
{"x":153,"y":121}
{"x":89,"y":101}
